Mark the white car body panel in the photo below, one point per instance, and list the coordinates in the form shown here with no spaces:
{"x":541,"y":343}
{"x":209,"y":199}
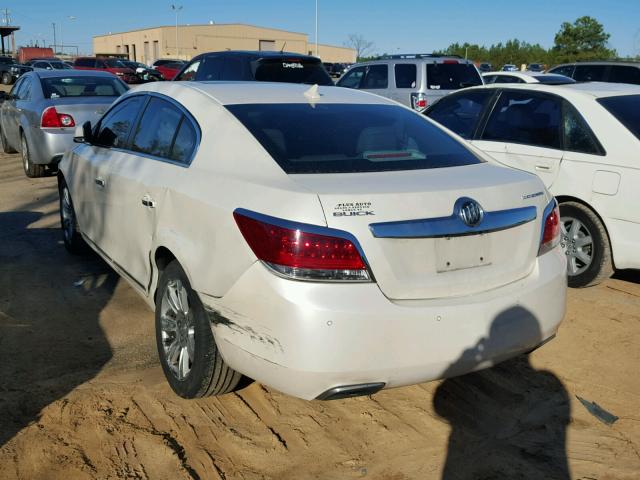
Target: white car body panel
{"x":307,"y":337}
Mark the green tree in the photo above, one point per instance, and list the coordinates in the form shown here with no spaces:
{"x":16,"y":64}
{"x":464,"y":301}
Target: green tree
{"x":584,"y":39}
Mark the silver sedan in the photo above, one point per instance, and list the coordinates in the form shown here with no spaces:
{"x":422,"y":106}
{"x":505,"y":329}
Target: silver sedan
{"x":39,"y":116}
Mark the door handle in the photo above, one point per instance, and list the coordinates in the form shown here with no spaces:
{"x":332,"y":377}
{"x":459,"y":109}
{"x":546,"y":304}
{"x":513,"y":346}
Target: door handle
{"x":147,"y":201}
{"x":100,"y":182}
{"x":544,"y":168}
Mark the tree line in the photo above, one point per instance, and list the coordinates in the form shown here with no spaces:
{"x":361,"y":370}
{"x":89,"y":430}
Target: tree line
{"x":584,"y":39}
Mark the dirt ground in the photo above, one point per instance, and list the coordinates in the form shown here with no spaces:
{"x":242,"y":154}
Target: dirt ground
{"x":82,"y":395}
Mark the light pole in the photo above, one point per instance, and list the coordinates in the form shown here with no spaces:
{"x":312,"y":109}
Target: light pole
{"x":70,"y":18}
{"x":177,"y":9}
{"x":317,"y":28}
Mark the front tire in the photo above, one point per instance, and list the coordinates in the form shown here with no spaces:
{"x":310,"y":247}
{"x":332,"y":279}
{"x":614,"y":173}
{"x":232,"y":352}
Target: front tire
{"x":32,"y":170}
{"x":586,"y":243}
{"x":188,"y":353}
{"x":73,"y":241}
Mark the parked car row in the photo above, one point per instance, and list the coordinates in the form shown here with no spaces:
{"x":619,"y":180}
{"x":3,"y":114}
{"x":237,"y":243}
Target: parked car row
{"x":276,"y":217}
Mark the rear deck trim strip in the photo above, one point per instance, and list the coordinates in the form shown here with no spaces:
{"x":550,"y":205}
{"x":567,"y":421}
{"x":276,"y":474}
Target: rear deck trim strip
{"x":453,"y":226}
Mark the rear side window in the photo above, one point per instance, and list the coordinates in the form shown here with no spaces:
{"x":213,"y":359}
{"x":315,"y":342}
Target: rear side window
{"x":185,"y":142}
{"x":626,"y":108}
{"x":590,"y":73}
{"x":460,"y":112}
{"x":347,"y":138}
{"x":530,"y":119}
{"x":625,"y":74}
{"x":157,"y":128}
{"x":114,"y":128}
{"x":452,"y":76}
{"x":406,"y":75}
{"x":578,"y":137}
{"x":290,"y":70}
{"x":353,"y":78}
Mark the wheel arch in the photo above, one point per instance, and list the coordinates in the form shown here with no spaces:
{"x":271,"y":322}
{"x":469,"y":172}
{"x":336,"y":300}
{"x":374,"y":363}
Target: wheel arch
{"x":161,"y":256}
{"x":568,"y":198}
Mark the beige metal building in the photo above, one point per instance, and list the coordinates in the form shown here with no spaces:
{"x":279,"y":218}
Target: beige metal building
{"x":149,"y":44}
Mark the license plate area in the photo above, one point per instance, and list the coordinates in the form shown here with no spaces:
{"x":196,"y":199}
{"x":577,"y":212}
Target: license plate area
{"x":459,"y":253}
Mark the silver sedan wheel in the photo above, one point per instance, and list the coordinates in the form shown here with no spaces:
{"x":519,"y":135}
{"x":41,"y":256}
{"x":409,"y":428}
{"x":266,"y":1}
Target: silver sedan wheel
{"x":68,"y":216}
{"x":177,"y":329}
{"x":25,"y":153}
{"x":577,"y":243}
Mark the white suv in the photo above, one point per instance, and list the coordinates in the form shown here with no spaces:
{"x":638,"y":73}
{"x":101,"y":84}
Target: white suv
{"x":582,"y":140}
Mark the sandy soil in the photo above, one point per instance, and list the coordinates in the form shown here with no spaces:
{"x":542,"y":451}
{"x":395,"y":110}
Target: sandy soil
{"x":82,"y":396}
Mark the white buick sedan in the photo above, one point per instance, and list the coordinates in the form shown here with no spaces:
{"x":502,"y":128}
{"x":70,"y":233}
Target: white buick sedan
{"x":324,"y":241}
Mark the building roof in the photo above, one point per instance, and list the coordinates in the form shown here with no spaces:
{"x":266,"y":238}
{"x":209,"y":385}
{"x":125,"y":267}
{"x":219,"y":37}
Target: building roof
{"x":199,"y":25}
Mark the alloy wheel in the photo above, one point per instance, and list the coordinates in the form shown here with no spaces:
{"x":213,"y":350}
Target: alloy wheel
{"x":577,"y":242}
{"x":177,"y":329}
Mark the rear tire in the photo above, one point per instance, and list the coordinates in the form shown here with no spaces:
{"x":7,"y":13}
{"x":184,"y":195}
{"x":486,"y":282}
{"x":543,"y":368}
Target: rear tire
{"x":188,"y":353}
{"x":32,"y":170}
{"x":7,"y":79}
{"x":586,"y":243}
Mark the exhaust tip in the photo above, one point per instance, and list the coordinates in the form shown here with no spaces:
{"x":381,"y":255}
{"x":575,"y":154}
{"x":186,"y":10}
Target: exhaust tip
{"x":348,"y":391}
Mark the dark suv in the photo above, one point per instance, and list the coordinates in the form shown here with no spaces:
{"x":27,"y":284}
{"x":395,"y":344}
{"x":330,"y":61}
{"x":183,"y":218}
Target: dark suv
{"x":10,"y":70}
{"x":256,"y":66}
{"x":613,"y":72}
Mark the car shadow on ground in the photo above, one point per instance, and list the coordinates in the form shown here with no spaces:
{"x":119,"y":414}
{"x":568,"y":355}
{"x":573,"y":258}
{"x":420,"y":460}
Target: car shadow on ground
{"x":508,"y":421}
{"x":632,"y":276}
{"x":50,"y":303}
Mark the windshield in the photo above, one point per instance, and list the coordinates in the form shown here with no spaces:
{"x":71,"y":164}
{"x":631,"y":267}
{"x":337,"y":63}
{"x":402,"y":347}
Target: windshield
{"x":60,"y":66}
{"x":626,"y":108}
{"x":346,"y":138}
{"x":291,"y":70}
{"x":57,"y":87}
{"x":552,"y":79}
{"x":452,"y":76}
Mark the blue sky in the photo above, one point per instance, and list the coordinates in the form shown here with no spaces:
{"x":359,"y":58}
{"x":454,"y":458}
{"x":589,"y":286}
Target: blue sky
{"x":400,"y":25}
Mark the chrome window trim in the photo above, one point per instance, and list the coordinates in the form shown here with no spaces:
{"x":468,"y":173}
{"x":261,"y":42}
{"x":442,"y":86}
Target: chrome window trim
{"x":453,"y":226}
{"x":310,"y":228}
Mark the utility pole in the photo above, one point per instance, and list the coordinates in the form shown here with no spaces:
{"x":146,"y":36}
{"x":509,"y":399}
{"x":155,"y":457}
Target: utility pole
{"x":317,"y":28}
{"x":54,"y":38}
{"x":177,"y":9}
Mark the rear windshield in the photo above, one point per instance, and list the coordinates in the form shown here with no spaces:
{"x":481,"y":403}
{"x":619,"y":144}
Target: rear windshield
{"x":552,"y":79}
{"x":452,"y":76}
{"x":291,"y":70}
{"x":625,"y":108}
{"x":346,"y":138}
{"x":57,"y":87}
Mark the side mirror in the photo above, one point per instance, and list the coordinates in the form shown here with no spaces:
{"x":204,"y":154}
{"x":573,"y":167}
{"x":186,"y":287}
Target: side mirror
{"x":83,"y":133}
{"x":140,"y":70}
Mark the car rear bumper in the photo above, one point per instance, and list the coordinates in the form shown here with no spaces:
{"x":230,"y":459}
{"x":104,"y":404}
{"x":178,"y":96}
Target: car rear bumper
{"x":47,"y":146}
{"x":306,"y":339}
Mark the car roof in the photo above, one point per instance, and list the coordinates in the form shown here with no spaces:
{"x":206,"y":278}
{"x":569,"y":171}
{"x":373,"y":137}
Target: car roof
{"x":234,"y":93}
{"x":609,"y":62}
{"x":586,"y":89}
{"x":71,"y":73}
{"x":258,"y":54}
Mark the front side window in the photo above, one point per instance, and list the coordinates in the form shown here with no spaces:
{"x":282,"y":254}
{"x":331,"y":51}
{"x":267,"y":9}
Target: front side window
{"x":189,"y":73}
{"x":526,"y":118}
{"x":460,"y":112}
{"x":157,"y":128}
{"x":376,"y":77}
{"x":72,"y":86}
{"x":578,"y":137}
{"x":353,"y":78}
{"x":566,"y":70}
{"x":347,"y":138}
{"x":114,"y":128}
{"x":406,"y":75}
{"x":452,"y":76}
{"x":210,"y":69}
{"x":626,"y":108}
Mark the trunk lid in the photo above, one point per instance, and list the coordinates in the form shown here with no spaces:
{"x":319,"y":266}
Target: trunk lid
{"x":82,"y":109}
{"x":415,"y":245}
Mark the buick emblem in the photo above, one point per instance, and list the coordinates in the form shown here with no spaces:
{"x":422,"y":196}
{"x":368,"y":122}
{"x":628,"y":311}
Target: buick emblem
{"x":471,"y":213}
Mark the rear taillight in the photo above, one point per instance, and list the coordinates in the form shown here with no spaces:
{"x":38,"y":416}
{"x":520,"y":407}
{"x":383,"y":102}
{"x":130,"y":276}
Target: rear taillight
{"x":550,"y":228}
{"x":419,"y":101}
{"x":449,"y":62}
{"x":52,"y":119}
{"x":301,"y":251}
